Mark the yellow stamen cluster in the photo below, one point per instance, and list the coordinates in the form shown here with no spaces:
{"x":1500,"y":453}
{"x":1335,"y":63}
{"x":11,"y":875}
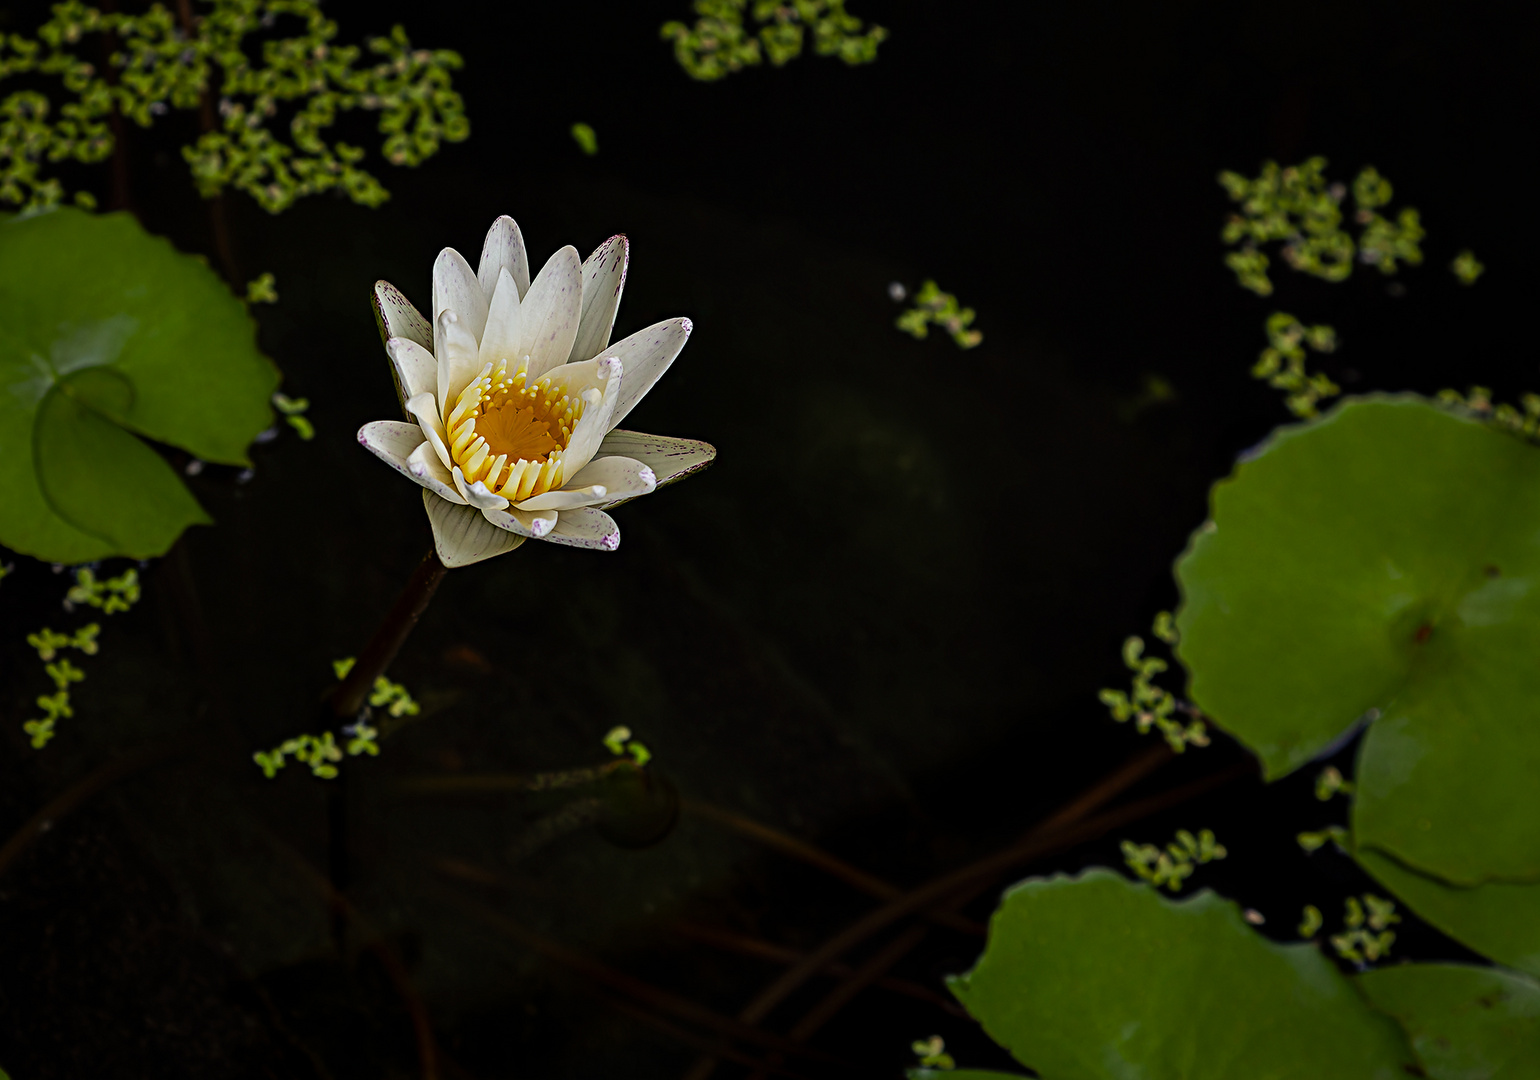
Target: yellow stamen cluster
{"x":511,"y":436}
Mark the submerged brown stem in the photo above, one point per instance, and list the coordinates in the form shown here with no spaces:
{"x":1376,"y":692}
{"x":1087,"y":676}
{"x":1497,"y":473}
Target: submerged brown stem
{"x":1059,"y":832}
{"x":77,"y":793}
{"x":349,"y":695}
{"x":823,"y":860}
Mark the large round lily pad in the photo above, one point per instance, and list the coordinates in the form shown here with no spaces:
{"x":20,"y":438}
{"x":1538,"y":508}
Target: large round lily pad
{"x":1381,"y":563}
{"x":1099,"y":978}
{"x":108,"y":334}
{"x":1465,"y":1023}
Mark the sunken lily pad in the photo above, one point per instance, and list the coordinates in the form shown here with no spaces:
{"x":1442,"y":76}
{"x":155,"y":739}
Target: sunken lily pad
{"x":1099,"y":978}
{"x":1465,"y":1023}
{"x":108,"y":336}
{"x":1381,"y":564}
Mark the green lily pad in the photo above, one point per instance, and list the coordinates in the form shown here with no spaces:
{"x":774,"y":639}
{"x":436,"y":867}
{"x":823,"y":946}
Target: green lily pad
{"x":1465,"y":1023}
{"x":109,"y":336}
{"x":1500,"y":919}
{"x":1099,"y":978}
{"x":1381,"y":563}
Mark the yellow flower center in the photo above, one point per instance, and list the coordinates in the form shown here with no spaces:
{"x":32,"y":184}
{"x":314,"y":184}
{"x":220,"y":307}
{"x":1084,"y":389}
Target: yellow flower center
{"x":512,"y":436}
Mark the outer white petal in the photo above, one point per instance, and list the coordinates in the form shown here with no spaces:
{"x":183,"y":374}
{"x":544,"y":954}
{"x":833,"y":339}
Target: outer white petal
{"x":521,"y":523}
{"x":586,"y":528}
{"x":456,"y":289}
{"x":424,"y":408}
{"x":425,"y":467}
{"x":670,"y":459}
{"x":499,"y":338}
{"x":396,"y":317}
{"x":476,"y":494}
{"x":413,"y":366}
{"x":461,"y":536}
{"x":595,"y":423}
{"x":504,"y":250}
{"x":604,"y":276}
{"x":392,"y":441}
{"x":622,"y":479}
{"x":459,"y":359}
{"x":548,"y":314}
{"x":647,"y":354}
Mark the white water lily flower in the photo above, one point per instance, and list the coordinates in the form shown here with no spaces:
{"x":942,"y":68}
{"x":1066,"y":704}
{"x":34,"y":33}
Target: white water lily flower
{"x":515,"y":392}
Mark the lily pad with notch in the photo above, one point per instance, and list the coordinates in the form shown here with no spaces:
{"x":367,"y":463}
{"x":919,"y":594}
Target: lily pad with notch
{"x":109,"y":337}
{"x":1383,"y":562}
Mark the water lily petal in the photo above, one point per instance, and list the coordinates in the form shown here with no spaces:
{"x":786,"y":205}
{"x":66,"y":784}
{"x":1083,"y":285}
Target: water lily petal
{"x":456,"y":289}
{"x":670,"y":459}
{"x":396,"y":317}
{"x":647,"y":354}
{"x":499,"y":338}
{"x":622,"y":478}
{"x":604,"y":276}
{"x":477,"y":494}
{"x":522,"y":523}
{"x":504,"y":250}
{"x":424,"y":408}
{"x":548,"y":314}
{"x":459,"y":359}
{"x":586,"y":528}
{"x":414,"y":368}
{"x":565,"y":499}
{"x":595,"y":421}
{"x":392,"y":441}
{"x":462,"y":536}
{"x":424,"y":466}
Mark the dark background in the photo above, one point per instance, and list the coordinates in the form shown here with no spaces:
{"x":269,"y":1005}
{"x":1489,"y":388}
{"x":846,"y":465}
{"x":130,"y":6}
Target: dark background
{"x":878,"y":623}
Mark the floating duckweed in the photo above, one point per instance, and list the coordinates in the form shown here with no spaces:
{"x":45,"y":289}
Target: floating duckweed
{"x":1153,"y":706}
{"x":113,"y":595}
{"x":618,"y":741}
{"x":1297,"y":208}
{"x":584,"y":136}
{"x":1366,"y":936}
{"x":1311,"y":921}
{"x":932,"y":1053}
{"x":932,"y":307}
{"x":1177,"y":862}
{"x":719,"y":43}
{"x":264,"y":290}
{"x":158,"y":65}
{"x":293,"y":410}
{"x":321,"y":752}
{"x":1332,"y":834}
{"x":1477,"y":403}
{"x":1282,"y":363}
{"x":1467,"y":267}
{"x":1331,"y":782}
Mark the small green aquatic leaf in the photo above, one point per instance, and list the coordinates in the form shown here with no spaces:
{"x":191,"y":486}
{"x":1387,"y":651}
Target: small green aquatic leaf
{"x":108,"y":336}
{"x":1464,"y":1023}
{"x":1466,"y":267}
{"x":1096,"y":978}
{"x":584,"y":136}
{"x":1379,"y":564}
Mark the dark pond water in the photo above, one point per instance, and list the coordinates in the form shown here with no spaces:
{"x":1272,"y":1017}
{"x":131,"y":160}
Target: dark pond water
{"x":877,"y":624}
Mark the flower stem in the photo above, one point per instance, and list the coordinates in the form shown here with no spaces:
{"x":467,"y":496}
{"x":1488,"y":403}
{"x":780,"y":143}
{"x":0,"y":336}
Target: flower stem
{"x":348,"y":697}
